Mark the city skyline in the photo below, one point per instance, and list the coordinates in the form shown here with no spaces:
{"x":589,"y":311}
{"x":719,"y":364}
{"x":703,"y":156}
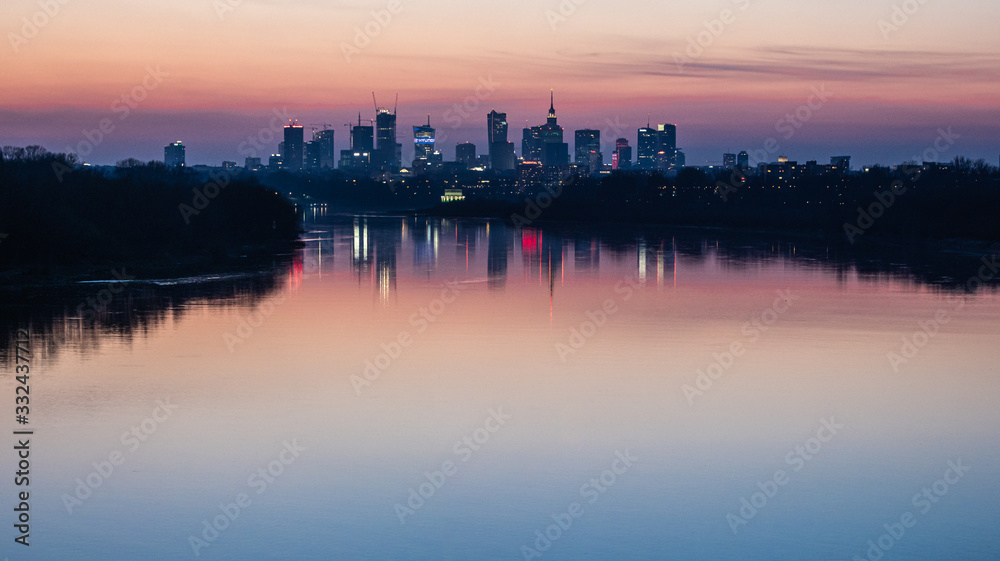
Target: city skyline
{"x":726,"y":73}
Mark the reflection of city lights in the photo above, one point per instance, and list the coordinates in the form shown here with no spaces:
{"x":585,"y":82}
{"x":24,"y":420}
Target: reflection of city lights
{"x":384,"y":278}
{"x":642,"y":260}
{"x":357,"y":241}
{"x":659,"y":267}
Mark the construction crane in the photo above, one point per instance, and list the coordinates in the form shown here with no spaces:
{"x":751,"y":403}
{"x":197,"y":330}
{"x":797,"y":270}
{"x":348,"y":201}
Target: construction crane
{"x":394,"y":107}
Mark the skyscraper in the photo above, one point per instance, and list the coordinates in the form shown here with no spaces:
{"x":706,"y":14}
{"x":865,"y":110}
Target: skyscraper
{"x":588,"y":142}
{"x":531,"y":144}
{"x":173,"y":154}
{"x":743,"y":160}
{"x":646,"y":148}
{"x":363,"y":137}
{"x":501,"y":151}
{"x":387,"y":151}
{"x":622,"y":158}
{"x":358,"y":157}
{"x":327,"y":151}
{"x":555,"y":152}
{"x":729,"y":160}
{"x":313,"y":155}
{"x":466,"y":154}
{"x":293,"y":153}
{"x":666,"y":149}
{"x":423,"y":141}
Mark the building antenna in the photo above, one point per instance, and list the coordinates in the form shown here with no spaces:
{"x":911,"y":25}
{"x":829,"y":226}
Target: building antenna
{"x":647,"y":120}
{"x":428,"y":119}
{"x":396,"y":105}
{"x":375,"y":102}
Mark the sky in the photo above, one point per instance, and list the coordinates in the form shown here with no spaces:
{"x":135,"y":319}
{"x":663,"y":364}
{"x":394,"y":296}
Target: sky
{"x":884,"y":81}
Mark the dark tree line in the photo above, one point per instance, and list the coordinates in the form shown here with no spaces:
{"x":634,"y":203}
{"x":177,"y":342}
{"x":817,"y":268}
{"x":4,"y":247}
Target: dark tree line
{"x":54,"y":212}
{"x":957,"y":201}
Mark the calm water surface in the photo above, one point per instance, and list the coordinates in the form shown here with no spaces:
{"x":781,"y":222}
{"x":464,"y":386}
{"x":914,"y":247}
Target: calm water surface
{"x":416,"y":389}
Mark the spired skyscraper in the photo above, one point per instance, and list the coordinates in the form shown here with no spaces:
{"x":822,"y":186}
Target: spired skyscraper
{"x":501,"y":151}
{"x":423,"y":141}
{"x":555,"y":152}
{"x":292,"y":155}
{"x":173,"y":154}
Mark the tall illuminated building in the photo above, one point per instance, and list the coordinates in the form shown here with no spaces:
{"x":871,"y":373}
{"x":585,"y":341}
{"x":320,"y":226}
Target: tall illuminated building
{"x":501,"y":151}
{"x":327,"y":150}
{"x":743,"y":160}
{"x":423,"y":141}
{"x":466,"y":154}
{"x":173,"y":154}
{"x":358,"y":157}
{"x":312,"y":155}
{"x":666,"y":150}
{"x":555,"y":152}
{"x":588,"y":149}
{"x":646,"y":148}
{"x":292,"y":155}
{"x":388,"y":152}
{"x":729,"y":161}
{"x":622,"y":158}
{"x":531,"y":144}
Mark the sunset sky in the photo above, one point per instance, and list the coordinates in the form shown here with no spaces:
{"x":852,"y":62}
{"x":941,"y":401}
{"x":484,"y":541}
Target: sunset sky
{"x":222,"y":68}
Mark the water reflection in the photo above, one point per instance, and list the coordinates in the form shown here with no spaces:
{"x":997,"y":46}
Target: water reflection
{"x":375,"y":244}
{"x":364,"y":347}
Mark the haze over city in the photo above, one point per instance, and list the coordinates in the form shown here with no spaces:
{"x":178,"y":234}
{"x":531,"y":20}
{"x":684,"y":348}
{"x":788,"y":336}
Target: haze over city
{"x":725,"y":72}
